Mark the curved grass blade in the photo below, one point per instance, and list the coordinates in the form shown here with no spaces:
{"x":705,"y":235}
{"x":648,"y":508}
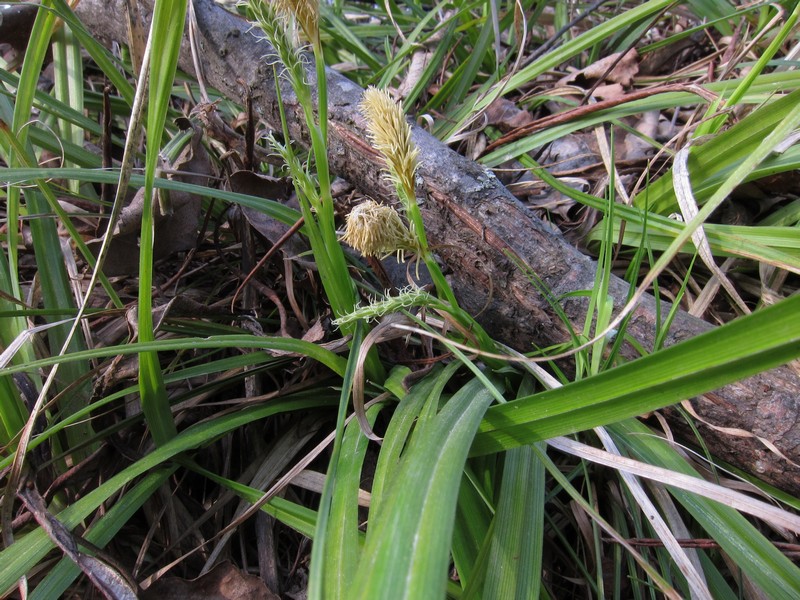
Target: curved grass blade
{"x":279,"y":344}
{"x":762,"y":91}
{"x":18,"y":176}
{"x":749,"y":345}
{"x":778,"y":246}
{"x":300,"y":518}
{"x":712,"y":162}
{"x":407,"y":549}
{"x":399,"y":431}
{"x":552,"y":59}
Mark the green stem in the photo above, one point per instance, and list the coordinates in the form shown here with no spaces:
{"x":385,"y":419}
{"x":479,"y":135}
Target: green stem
{"x":408,"y":197}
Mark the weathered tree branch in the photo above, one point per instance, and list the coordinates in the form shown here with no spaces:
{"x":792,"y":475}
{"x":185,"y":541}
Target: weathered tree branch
{"x":474,"y":223}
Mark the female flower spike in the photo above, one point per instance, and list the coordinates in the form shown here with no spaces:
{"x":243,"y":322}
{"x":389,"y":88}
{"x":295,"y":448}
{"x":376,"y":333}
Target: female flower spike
{"x":377,"y":230}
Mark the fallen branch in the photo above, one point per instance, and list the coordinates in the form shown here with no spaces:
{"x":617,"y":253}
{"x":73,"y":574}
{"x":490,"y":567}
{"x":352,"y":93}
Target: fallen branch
{"x":476,"y":224}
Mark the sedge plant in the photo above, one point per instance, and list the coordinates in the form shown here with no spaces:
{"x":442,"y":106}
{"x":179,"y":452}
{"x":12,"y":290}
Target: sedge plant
{"x":468,"y":500}
{"x":379,"y":230}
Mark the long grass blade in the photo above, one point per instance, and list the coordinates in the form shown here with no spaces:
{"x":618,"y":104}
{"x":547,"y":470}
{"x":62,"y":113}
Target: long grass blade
{"x":319,"y":578}
{"x":165,"y":39}
{"x":407,"y":548}
{"x":514,"y":567}
{"x":749,"y":345}
{"x":773,"y":572}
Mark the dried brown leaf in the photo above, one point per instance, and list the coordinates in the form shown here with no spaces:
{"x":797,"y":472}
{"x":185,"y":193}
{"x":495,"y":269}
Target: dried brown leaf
{"x":419,"y":60}
{"x":174,"y":232}
{"x":505,"y":115}
{"x":614,"y":68}
{"x":103,"y":576}
{"x":223,"y":582}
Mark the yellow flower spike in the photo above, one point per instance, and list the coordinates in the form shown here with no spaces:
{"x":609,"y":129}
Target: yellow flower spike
{"x":391,"y":136}
{"x":377,"y":230}
{"x":306,"y":15}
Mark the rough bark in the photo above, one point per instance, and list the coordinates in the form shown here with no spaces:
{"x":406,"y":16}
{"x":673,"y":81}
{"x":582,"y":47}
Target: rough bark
{"x":472,"y":221}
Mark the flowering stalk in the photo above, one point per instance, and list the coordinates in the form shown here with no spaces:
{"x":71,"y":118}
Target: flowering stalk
{"x":391,"y":136}
{"x":286,"y":16}
{"x":305,"y":14}
{"x":280,"y":21}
